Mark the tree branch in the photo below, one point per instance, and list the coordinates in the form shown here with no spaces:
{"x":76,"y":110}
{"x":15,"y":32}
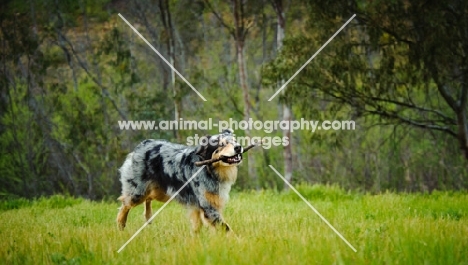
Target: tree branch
{"x":220,"y":19}
{"x":83,"y":66}
{"x":412,"y":122}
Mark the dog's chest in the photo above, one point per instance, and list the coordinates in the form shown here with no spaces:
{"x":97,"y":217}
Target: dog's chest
{"x":224,"y":189}
{"x":218,"y":192}
{"x":227,"y":178}
{"x":227,"y":174}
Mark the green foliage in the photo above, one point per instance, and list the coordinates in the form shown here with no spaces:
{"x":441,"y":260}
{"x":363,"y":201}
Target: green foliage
{"x":52,"y":202}
{"x":73,"y":69}
{"x":14,"y":204}
{"x":331,"y":193}
{"x":22,"y":144}
{"x":56,"y":202}
{"x":376,"y":72}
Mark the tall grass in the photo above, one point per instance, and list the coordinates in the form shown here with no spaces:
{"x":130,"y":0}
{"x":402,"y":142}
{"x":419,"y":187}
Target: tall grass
{"x":270,"y":227}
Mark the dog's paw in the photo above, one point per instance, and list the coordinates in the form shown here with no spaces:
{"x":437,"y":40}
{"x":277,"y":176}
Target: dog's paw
{"x":121,"y":226}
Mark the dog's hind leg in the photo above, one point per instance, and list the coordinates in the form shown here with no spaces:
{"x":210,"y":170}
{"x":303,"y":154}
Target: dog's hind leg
{"x":123,"y":213}
{"x":128,"y":202}
{"x":153,"y":192}
{"x":148,"y":210}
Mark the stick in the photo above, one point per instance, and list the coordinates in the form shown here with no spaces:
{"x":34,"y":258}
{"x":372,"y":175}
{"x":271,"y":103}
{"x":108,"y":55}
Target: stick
{"x":250,"y":147}
{"x":209,"y":161}
{"x":214,"y":160}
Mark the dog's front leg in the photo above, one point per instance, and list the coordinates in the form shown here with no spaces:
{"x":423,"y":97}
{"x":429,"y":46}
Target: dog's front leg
{"x":215,"y":218}
{"x":196,"y":216}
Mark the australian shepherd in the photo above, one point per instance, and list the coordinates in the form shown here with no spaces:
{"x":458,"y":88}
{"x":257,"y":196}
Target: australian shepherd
{"x":156,"y":169}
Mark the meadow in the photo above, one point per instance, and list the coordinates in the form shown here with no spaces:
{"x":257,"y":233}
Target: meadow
{"x":270,"y":228}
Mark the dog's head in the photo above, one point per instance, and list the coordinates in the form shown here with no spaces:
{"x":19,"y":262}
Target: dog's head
{"x":222,"y":146}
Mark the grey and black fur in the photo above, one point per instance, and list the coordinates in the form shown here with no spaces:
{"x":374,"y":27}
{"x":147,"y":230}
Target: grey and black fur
{"x":156,"y":169}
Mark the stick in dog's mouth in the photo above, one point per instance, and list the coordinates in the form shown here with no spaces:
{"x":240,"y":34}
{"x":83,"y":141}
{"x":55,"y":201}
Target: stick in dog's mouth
{"x":231,"y":159}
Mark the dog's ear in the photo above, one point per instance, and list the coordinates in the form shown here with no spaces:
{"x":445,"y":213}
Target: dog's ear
{"x":227,"y":135}
{"x":208,"y":144}
{"x":202,"y":146}
{"x":201,"y":152}
{"x":227,"y":132}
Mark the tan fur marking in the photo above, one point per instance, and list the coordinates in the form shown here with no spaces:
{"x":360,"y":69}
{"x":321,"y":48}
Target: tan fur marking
{"x":156,"y":193}
{"x":214,"y":199}
{"x":122,"y":216}
{"x":227,"y":150}
{"x":153,"y":192}
{"x":226,"y":173}
{"x":148,"y":209}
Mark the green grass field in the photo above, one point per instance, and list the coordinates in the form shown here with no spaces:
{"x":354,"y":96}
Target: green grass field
{"x":271,"y":228}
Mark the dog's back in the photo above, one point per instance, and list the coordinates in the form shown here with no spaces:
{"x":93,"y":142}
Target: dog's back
{"x":158,"y":163}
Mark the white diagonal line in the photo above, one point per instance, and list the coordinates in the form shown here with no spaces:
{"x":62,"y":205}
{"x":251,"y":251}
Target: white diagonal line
{"x":311,"y":58}
{"x":160,"y":209}
{"x":164,"y":59}
{"x":313,"y":209}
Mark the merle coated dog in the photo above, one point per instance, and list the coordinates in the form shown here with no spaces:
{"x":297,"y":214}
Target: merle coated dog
{"x":156,"y":169}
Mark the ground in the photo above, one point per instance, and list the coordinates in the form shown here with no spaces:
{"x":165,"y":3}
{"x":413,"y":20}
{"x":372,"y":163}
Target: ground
{"x":270,"y":227}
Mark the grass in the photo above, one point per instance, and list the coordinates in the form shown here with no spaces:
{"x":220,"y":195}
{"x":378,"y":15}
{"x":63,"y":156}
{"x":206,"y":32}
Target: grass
{"x":271,"y":228}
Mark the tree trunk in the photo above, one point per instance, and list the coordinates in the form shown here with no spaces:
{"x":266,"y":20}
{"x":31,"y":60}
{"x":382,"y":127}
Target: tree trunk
{"x":287,"y":113}
{"x":287,"y":151}
{"x":462,"y":131}
{"x":245,"y":91}
{"x":94,"y":63}
{"x":167,"y":22}
{"x":239,"y":36}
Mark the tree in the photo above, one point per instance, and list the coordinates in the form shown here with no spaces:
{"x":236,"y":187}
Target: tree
{"x":239,"y":28}
{"x":402,"y":61}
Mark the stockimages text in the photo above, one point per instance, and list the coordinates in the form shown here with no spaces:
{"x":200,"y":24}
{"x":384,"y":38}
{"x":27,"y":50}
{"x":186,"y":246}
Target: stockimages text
{"x":268,"y":126}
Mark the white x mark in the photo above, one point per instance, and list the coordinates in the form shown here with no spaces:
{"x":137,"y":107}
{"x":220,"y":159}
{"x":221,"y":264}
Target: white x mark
{"x":311,"y":58}
{"x":313,"y":209}
{"x":162,"y":57}
{"x":160,"y":209}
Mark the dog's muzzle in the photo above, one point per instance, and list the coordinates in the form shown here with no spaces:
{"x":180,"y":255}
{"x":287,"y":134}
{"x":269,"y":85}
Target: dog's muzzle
{"x":231,"y":159}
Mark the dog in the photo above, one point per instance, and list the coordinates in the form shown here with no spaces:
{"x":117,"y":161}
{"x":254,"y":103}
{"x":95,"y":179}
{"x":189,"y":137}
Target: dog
{"x":156,"y":169}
